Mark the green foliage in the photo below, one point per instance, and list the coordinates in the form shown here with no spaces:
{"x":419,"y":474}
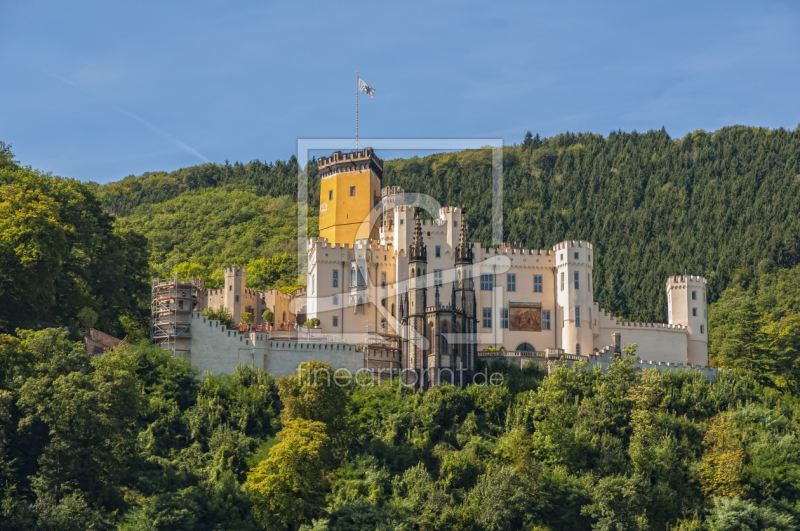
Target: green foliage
{"x":289,"y":486}
{"x":652,"y":205}
{"x":755,"y":325}
{"x":312,"y":323}
{"x":247,"y":317}
{"x":223,"y":315}
{"x":200,"y":232}
{"x":61,"y":252}
{"x":152,"y":447}
{"x":313,"y":393}
{"x":280,"y":271}
{"x":268,"y":316}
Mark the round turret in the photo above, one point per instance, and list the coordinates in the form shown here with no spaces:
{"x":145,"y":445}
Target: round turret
{"x":686,"y":305}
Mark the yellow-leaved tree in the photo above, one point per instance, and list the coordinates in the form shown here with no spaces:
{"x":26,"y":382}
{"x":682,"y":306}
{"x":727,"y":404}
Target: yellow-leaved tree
{"x":318,"y":392}
{"x":288,"y":488}
{"x":723,"y":463}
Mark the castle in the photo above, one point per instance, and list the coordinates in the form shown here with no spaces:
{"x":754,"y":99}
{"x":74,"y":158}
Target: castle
{"x":398,"y":295}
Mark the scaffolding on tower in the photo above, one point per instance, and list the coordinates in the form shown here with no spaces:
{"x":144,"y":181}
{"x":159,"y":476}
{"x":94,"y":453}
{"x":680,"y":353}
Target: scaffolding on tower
{"x":172,"y":304}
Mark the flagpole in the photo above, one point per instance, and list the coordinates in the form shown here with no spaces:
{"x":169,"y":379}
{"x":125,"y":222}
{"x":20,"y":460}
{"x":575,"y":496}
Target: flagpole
{"x":356,"y":110}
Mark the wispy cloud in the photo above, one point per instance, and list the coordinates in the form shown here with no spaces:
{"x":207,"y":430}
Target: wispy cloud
{"x":135,"y":117}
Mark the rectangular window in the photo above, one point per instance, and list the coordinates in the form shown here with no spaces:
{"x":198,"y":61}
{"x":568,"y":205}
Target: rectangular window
{"x":455,"y":223}
{"x":701,"y":329}
{"x":402,"y":222}
{"x":512,"y":283}
{"x":694,"y":295}
{"x":562,"y":317}
{"x":335,"y":278}
{"x":590,"y":317}
{"x":352,"y":191}
{"x":503,"y":317}
{"x":589,"y":280}
{"x":230,"y":288}
{"x":237,"y":298}
{"x":694,"y":312}
{"x":335,"y":320}
{"x":577,"y":256}
{"x":330,"y":195}
{"x":486,"y":282}
{"x":437,"y":277}
{"x":562,"y":281}
{"x":383,"y":279}
{"x":578,"y":349}
{"x":438,"y":251}
{"x":545,"y":319}
{"x":336,"y":300}
{"x":180,"y":305}
{"x":577,"y":280}
{"x":487,"y":317}
{"x":360,"y":277}
{"x":577,"y":315}
{"x":537,"y":283}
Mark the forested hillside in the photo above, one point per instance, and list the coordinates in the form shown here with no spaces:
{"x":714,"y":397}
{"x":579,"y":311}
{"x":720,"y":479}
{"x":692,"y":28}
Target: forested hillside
{"x":133,"y":440}
{"x":130,"y":440}
{"x":714,"y":204}
{"x":63,"y":262}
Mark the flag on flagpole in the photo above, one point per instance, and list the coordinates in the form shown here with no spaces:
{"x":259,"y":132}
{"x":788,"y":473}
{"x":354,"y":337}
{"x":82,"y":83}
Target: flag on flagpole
{"x":366,"y":89}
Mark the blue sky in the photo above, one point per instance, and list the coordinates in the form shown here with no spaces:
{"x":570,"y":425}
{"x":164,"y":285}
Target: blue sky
{"x":107,"y":89}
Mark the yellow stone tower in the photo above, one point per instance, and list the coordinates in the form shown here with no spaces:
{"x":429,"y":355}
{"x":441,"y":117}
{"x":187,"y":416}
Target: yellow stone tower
{"x":350,"y":188}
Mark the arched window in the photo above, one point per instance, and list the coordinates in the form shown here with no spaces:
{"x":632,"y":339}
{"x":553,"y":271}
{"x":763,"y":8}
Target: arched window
{"x":336,"y":300}
{"x":392,"y":310}
{"x":383,"y":324}
{"x":284,"y":316}
{"x":445,"y":345}
{"x":526,"y":347}
{"x":413,"y":272}
{"x":360,"y":302}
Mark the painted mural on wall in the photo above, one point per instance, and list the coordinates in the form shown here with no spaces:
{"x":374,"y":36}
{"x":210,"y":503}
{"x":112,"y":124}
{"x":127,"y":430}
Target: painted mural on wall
{"x":522,"y":318}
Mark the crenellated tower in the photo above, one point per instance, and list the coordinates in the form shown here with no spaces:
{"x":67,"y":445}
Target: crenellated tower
{"x":686,"y":305}
{"x":574,"y":285}
{"x":349,"y":190}
{"x":234,"y":288}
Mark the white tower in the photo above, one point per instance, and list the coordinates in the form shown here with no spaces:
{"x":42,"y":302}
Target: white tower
{"x":234,"y":288}
{"x":574,"y":286}
{"x":686,"y":305}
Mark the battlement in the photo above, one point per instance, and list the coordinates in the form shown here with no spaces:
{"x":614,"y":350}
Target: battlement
{"x":635,"y":324}
{"x":340,"y":162}
{"x":438,"y":223}
{"x":235,"y":271}
{"x":322,"y":243}
{"x":687,"y":279}
{"x":570,"y":244}
{"x":515,"y":251}
{"x":372,"y":245}
{"x":391,"y":190}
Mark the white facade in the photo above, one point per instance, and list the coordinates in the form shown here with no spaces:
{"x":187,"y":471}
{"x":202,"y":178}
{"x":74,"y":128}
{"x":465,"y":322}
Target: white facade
{"x":558,"y":281}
